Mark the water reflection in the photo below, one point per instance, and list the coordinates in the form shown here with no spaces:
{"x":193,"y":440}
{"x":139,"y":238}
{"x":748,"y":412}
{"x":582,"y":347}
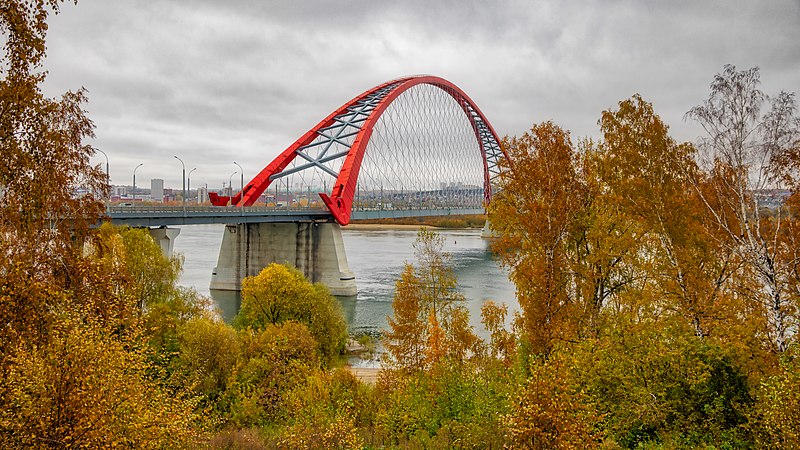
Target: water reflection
{"x":228,"y":302}
{"x":348,"y":307}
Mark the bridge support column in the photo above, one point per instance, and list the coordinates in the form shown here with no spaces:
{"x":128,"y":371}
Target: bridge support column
{"x":487,"y":232}
{"x":165,"y":237}
{"x":316,"y":249}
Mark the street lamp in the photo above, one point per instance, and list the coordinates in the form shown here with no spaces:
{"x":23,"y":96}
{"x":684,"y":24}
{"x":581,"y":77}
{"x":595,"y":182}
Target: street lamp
{"x":108,"y":177}
{"x":134,"y":181}
{"x":230,"y":182}
{"x":189,"y":181}
{"x":184,"y":182}
{"x":241,"y":171}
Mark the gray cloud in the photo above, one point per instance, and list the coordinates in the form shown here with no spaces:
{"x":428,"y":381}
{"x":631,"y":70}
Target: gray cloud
{"x":217,"y":81}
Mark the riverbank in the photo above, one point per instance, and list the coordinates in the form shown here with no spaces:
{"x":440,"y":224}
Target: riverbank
{"x":415,"y":223}
{"x":384,"y":226}
{"x":366,"y":374}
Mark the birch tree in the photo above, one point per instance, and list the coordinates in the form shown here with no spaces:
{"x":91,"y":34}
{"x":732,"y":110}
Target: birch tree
{"x":747,"y":134}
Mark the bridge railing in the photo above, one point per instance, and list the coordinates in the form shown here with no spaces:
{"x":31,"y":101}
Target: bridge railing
{"x":156,"y":216}
{"x":232,"y":210}
{"x":209,"y":209}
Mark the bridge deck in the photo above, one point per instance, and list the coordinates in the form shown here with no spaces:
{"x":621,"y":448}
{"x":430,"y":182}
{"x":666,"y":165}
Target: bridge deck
{"x":157,"y":216}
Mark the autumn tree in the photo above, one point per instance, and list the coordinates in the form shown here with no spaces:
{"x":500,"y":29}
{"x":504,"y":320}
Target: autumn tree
{"x":73,"y":356}
{"x":502,"y":342}
{"x":405,"y":338}
{"x":327,"y":407}
{"x":533,"y":214}
{"x":748,"y":135}
{"x":653,"y":382}
{"x":279,"y":294}
{"x":436,"y":277}
{"x":429,"y":322}
{"x":274,"y":360}
{"x":45,"y":162}
{"x":775,"y":417}
{"x":648,"y":175}
{"x":549,"y":410}
{"x":87,"y":389}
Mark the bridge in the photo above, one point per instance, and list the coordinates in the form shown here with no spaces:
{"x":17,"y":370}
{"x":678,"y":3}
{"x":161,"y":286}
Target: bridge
{"x":161,"y":216}
{"x":410,"y":147}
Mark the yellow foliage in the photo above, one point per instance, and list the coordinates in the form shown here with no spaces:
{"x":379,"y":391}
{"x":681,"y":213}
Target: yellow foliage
{"x":88,"y":390}
{"x":279,"y":294}
{"x":324,"y":411}
{"x":502,"y":343}
{"x":776,"y":415}
{"x":550,"y":413}
{"x":435,"y":346}
{"x":405,"y":339}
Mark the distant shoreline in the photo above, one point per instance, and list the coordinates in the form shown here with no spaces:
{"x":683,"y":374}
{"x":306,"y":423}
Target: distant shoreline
{"x":415,"y":223}
{"x":384,"y":226}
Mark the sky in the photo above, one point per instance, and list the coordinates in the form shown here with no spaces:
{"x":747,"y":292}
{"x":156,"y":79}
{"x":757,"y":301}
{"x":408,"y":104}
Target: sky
{"x":215,"y":82}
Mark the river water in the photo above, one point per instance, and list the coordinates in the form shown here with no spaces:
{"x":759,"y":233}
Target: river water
{"x":376,"y":257}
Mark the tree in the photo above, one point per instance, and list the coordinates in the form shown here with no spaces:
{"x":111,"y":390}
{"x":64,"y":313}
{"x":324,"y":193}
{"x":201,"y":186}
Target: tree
{"x":533,"y":213}
{"x":144,"y":273}
{"x":550,"y":411}
{"x":279,"y":294}
{"x":775,"y":418}
{"x":436,"y":277}
{"x":326,"y":408}
{"x":274,"y":361}
{"x":745,"y":147}
{"x":209,"y":350}
{"x":152,"y":276}
{"x":656,"y":382}
{"x":89,"y":390}
{"x":647,"y":174}
{"x":429,"y":323}
{"x":45,"y":162}
{"x":405,"y":339}
{"x":502,"y":342}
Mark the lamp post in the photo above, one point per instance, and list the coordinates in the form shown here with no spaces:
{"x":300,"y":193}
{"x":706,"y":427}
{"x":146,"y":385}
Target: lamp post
{"x":189,"y":181}
{"x":134,"y":181}
{"x":108,"y":178}
{"x":241,"y":172}
{"x":230,"y":183}
{"x":183,"y":166}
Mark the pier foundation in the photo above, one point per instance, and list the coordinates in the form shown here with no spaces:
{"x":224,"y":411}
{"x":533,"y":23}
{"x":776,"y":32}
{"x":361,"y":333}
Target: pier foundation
{"x":315,"y":248}
{"x":165,"y":237}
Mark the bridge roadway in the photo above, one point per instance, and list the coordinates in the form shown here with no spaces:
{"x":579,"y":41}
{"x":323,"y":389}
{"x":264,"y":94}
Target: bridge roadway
{"x":160,"y":216}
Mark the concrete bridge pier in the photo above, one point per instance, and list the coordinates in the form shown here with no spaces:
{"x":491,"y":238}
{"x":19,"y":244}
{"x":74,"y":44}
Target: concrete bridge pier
{"x":165,"y":237}
{"x":315,"y":248}
{"x":487,"y":232}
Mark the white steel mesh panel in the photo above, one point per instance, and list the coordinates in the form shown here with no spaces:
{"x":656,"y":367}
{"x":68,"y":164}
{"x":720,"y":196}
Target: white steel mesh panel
{"x":423,"y":153}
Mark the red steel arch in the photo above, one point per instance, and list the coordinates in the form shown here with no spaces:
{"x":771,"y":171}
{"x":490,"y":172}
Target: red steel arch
{"x":340,"y":201}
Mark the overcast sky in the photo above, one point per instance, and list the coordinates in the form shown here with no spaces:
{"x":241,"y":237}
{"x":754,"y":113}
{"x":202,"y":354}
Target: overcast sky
{"x":218,"y":81}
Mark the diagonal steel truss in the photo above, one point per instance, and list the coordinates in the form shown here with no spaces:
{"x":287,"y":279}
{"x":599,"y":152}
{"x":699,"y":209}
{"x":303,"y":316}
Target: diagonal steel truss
{"x":346,"y":127}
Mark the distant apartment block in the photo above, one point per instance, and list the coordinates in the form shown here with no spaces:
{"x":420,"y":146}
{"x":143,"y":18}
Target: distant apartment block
{"x":157,"y":190}
{"x":202,"y":194}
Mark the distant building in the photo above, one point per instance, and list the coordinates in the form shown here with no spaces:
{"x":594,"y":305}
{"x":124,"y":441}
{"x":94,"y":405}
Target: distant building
{"x":157,"y":190}
{"x":202,"y":194}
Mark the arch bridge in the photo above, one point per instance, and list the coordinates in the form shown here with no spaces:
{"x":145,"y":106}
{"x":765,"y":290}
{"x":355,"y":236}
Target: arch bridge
{"x":412,"y":146}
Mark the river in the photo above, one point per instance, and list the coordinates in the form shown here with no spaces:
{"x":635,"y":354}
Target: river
{"x":376,"y":257}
